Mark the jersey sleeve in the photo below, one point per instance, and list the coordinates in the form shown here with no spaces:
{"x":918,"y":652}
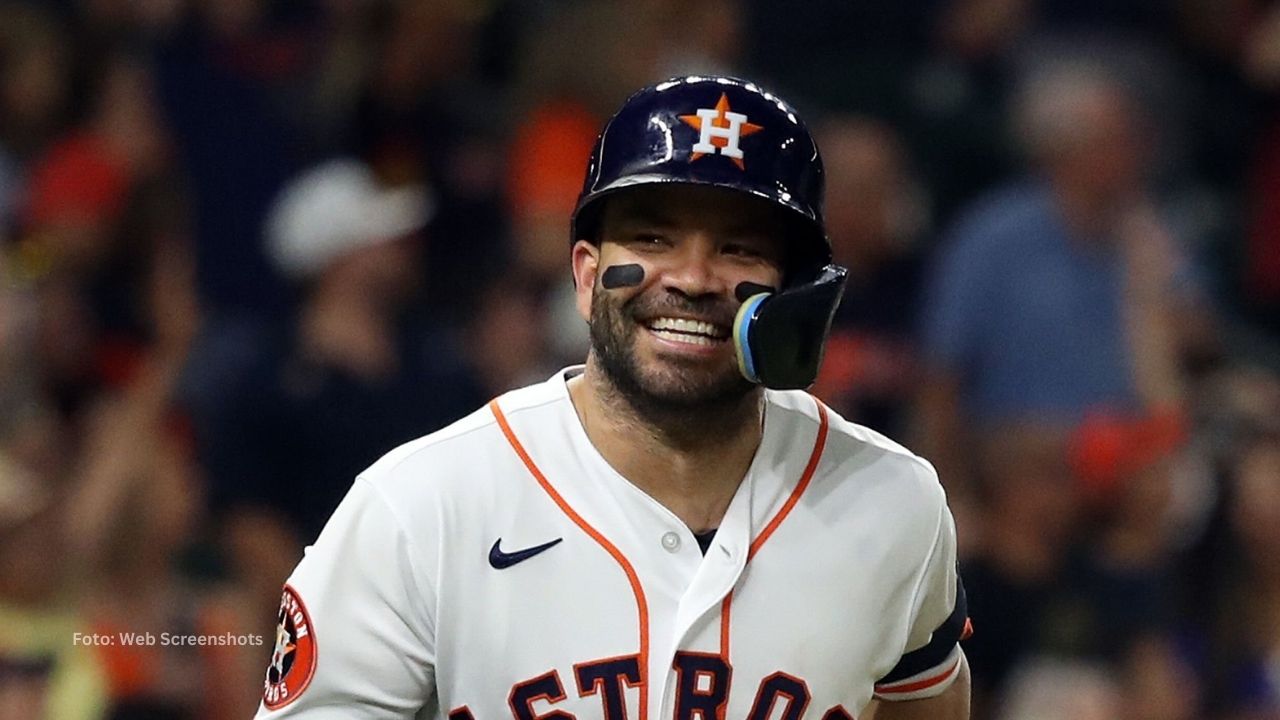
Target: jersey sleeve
{"x":355,"y":634}
{"x":940,"y":620}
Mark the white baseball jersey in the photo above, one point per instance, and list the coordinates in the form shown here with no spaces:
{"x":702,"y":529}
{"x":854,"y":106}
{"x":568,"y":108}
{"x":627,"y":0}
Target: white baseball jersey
{"x":500,"y":567}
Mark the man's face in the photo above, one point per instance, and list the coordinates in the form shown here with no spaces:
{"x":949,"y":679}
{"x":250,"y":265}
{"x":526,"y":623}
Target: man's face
{"x":667,"y":341}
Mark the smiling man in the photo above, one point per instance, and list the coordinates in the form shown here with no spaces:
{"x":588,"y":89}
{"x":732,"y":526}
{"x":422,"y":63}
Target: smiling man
{"x":694,"y":245}
{"x":674,"y":530}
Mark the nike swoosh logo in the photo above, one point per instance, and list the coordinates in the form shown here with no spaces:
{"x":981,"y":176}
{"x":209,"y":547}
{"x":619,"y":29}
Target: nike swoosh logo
{"x":501,"y":560}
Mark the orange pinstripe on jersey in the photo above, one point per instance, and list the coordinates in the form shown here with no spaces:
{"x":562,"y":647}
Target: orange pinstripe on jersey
{"x":724,"y":625}
{"x":815,"y":455}
{"x":642,"y":605}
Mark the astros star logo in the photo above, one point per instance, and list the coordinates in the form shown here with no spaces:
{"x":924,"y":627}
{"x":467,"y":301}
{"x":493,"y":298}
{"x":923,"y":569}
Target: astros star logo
{"x":720,"y":130}
{"x":284,"y":648}
{"x":293,"y":660}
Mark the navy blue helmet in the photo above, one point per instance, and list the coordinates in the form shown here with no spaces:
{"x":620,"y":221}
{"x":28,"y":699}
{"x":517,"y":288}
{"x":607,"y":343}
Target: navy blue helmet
{"x":718,"y":131}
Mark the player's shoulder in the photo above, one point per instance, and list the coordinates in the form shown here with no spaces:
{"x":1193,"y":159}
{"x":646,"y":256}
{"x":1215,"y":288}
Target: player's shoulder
{"x":426,"y":447}
{"x":853,"y":449}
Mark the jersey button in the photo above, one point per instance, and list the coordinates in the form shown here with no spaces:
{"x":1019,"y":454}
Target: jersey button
{"x":671,"y":541}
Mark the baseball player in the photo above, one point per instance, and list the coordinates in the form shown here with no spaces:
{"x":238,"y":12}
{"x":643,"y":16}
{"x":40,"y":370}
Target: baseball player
{"x":674,"y":530}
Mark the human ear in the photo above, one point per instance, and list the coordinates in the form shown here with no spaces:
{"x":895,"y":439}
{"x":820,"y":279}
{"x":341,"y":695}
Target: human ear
{"x":585,"y":258}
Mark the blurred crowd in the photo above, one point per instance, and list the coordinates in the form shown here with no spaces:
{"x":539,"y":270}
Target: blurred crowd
{"x":246,"y":247}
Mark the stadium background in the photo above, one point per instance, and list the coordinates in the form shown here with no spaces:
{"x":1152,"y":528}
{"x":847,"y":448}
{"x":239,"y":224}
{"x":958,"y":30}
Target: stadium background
{"x":245,"y":246}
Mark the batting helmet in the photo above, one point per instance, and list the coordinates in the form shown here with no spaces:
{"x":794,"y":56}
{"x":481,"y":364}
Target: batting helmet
{"x":718,"y":131}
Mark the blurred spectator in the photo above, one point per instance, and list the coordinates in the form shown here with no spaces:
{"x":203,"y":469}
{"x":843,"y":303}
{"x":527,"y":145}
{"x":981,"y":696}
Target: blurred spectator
{"x":1220,"y":105}
{"x":1261,"y":261}
{"x":103,"y":236}
{"x":92,"y":531}
{"x":227,"y":85}
{"x":101,"y":311}
{"x":1055,"y":298}
{"x":35,"y":99}
{"x":1056,"y":305}
{"x":132,"y":519}
{"x":875,"y":216}
{"x":1069,"y":575}
{"x":1053,"y":688}
{"x":708,"y":38}
{"x":35,"y":79}
{"x":84,"y":516}
{"x":956,"y":100}
{"x":43,"y":674}
{"x":507,"y":339}
{"x":423,"y":114}
{"x":1049,"y":689}
{"x":354,"y":374}
{"x":1243,"y":608}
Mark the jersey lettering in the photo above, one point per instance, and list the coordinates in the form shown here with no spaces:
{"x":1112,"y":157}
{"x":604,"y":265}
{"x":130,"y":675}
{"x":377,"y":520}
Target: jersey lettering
{"x":464,"y":713}
{"x":546,"y":686}
{"x":607,"y":678}
{"x":780,"y":686}
{"x":702,"y":686}
{"x":701,"y":692}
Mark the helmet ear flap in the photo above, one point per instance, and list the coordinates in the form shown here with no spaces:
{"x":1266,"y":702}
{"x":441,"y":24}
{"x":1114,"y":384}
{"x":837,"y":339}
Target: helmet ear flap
{"x":780,"y":338}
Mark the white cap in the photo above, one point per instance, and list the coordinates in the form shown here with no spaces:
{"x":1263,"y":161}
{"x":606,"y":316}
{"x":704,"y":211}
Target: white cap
{"x":336,"y":208}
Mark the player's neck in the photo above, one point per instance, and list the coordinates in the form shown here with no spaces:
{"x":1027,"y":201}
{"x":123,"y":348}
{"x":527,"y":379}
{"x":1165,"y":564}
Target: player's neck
{"x":691,"y":470}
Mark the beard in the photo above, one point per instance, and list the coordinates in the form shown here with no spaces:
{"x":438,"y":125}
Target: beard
{"x":679,"y":390}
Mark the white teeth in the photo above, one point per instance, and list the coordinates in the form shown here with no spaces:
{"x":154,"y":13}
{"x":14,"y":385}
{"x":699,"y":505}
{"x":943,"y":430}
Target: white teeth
{"x":682,"y":325}
{"x":684,"y":338}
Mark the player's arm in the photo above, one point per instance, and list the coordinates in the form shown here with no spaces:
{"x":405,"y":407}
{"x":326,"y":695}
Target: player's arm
{"x":931,"y":678}
{"x":356,"y":639}
{"x":952,"y":704}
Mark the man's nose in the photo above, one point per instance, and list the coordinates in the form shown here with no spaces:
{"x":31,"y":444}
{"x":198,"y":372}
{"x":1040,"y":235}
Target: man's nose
{"x":696,"y":271}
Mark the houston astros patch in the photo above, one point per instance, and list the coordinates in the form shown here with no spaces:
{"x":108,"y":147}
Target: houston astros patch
{"x":293,"y":661}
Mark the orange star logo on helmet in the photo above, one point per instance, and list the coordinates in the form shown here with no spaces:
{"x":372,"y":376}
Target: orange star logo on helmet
{"x":720,"y":129}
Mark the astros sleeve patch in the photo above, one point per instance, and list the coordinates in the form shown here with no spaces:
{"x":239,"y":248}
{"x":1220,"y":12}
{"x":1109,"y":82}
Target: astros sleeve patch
{"x":358,"y":586}
{"x":293,"y":661}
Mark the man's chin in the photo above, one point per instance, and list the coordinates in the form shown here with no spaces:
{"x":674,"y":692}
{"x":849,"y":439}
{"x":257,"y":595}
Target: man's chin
{"x":663,"y":382}
{"x":693,"y":388}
